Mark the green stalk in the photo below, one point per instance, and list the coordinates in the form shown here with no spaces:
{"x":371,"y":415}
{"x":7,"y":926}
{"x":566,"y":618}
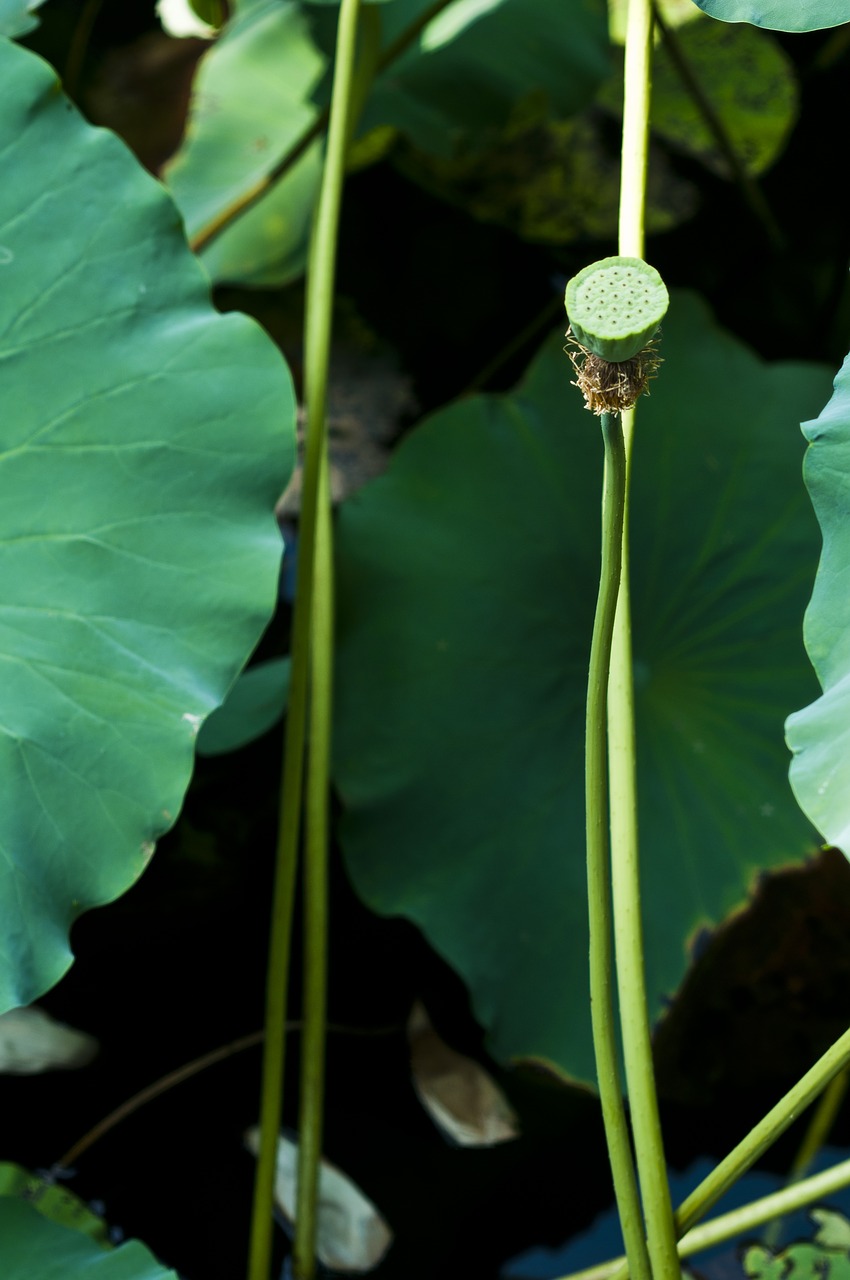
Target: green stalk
{"x":758,"y":1140}
{"x":764,"y":1134}
{"x":598,"y":868}
{"x":363,"y":37}
{"x":625,"y":869}
{"x":315,"y":896}
{"x":821,"y":1125}
{"x":320,"y":289}
{"x":816,"y":1134}
{"x":729,"y":1225}
{"x":635,"y":145}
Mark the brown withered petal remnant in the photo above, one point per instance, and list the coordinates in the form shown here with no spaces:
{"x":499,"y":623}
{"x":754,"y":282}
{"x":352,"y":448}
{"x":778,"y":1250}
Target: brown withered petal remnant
{"x":461,"y":1097}
{"x":607,"y":387}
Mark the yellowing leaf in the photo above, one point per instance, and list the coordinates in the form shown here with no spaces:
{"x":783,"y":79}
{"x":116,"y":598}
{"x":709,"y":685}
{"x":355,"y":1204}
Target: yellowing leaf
{"x":461,"y":1098}
{"x":749,"y":80}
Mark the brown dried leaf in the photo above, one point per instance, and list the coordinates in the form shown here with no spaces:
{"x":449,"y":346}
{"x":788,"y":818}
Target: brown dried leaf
{"x":352,"y":1236}
{"x":461,"y":1098}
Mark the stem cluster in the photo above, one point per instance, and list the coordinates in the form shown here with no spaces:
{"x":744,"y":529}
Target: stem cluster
{"x":651,"y":1231}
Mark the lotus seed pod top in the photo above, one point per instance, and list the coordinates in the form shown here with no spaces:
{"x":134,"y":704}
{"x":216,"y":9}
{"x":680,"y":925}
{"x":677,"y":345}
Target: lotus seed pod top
{"x":615,"y":306}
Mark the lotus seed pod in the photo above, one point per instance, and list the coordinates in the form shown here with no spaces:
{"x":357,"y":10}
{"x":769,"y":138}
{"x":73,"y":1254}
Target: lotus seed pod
{"x":615,"y":306}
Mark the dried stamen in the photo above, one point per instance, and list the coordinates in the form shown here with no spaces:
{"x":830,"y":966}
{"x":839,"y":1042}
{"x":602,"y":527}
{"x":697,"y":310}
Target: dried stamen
{"x":611,"y":387}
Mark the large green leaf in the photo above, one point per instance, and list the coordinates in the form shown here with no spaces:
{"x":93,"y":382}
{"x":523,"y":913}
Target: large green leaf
{"x":17,"y":17}
{"x":144,"y":440}
{"x":468,"y":578}
{"x":749,"y":81}
{"x":780,"y":15}
{"x":251,"y":102}
{"x":819,"y":736}
{"x":478,"y":57}
{"x":53,"y":1201}
{"x":254,"y":705}
{"x":34,"y":1248}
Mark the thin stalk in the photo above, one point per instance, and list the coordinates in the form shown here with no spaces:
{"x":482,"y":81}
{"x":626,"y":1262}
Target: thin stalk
{"x":758,"y":1140}
{"x":764,"y":1134}
{"x":185,"y":1072}
{"x":152,"y":1091}
{"x":625,"y":866}
{"x":634,"y":152}
{"x":729,"y":1225}
{"x":816,"y":1134}
{"x":320,"y":290}
{"x":598,"y":868}
{"x":364,"y":30}
{"x":316,"y":896}
{"x":304,"y":141}
{"x":821,"y":1125}
{"x":628,"y":932}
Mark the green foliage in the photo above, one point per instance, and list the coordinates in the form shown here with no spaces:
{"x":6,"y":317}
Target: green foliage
{"x":255,"y":703}
{"x":210,"y":11}
{"x":467,"y":579}
{"x":53,"y":1201}
{"x":251,"y":102}
{"x":747,"y":78}
{"x":547,"y":179}
{"x":36,"y":1248}
{"x":826,"y":1258}
{"x":833,"y":1229}
{"x":780,"y":15}
{"x":145,"y":440}
{"x":17,"y":17}
{"x":555,"y":179}
{"x":475,"y":61}
{"x":819,"y":735}
{"x":254,"y":93}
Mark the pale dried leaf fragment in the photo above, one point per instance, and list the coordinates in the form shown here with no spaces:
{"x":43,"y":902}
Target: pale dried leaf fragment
{"x":179,"y":19}
{"x":460,"y":1096}
{"x":352,"y":1236}
{"x":32,"y":1041}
